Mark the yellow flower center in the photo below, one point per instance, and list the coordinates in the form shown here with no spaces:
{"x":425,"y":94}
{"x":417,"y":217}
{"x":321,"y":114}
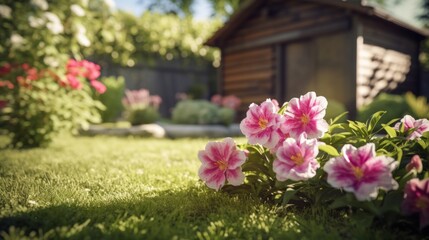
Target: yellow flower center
{"x":263,"y":123}
{"x":305,"y":119}
{"x":422,"y":203}
{"x":357,"y":171}
{"x":221,"y":164}
{"x":297,"y":159}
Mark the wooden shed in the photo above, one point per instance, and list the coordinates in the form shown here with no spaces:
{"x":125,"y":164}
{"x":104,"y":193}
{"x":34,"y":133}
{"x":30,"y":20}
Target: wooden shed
{"x":342,"y":49}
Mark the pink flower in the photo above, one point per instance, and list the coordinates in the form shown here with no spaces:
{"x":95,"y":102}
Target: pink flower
{"x":420,"y":126}
{"x":155,"y":100}
{"x":221,"y":161}
{"x":231,"y":102}
{"x":7,"y":84}
{"x":98,"y":86}
{"x":92,"y":70}
{"x":416,"y":200}
{"x":261,"y":124}
{"x":216,"y":99}
{"x":74,"y":82}
{"x":83,"y":68}
{"x":362,"y":172}
{"x":296,"y":159}
{"x":305,"y":115}
{"x":415,"y":163}
{"x":74,"y":67}
{"x":282,"y":132}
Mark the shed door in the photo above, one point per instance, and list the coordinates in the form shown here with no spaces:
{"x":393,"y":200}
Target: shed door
{"x":326,"y":64}
{"x":300,"y":68}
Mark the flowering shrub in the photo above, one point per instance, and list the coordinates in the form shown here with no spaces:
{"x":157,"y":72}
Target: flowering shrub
{"x":201,"y":112}
{"x":112,"y":98}
{"x":37,"y":104}
{"x":230,"y":101}
{"x":141,"y":107}
{"x":293,"y":158}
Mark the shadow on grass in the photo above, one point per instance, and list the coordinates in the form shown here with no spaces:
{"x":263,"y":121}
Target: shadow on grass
{"x":192,"y":213}
{"x":162,"y":215}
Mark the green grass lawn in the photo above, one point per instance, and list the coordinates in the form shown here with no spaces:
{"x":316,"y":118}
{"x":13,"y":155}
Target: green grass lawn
{"x":138,"y":188}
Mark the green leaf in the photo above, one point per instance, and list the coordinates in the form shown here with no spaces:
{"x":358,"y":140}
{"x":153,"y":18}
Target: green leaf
{"x":390,"y":131}
{"x":329,"y":150}
{"x":392,"y":202}
{"x":392,"y":121}
{"x":422,"y":143}
{"x":336,"y":119}
{"x":375,"y":119}
{"x":288,"y":195}
{"x":282,"y":110}
{"x":340,"y":202}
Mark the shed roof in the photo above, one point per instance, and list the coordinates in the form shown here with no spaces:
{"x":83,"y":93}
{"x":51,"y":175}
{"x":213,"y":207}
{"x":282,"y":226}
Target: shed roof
{"x":352,"y":5}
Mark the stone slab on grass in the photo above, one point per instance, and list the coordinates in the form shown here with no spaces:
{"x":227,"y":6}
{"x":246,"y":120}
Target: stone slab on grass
{"x":211,"y":131}
{"x":146,"y":130}
{"x":166,"y":130}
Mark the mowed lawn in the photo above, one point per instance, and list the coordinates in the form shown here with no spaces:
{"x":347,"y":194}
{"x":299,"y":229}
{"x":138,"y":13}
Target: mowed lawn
{"x":140,"y":188}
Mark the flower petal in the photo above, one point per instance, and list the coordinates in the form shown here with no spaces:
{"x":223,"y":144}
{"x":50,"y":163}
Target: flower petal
{"x":235,"y":176}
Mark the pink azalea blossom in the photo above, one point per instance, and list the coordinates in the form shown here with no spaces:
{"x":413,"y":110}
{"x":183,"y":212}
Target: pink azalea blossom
{"x":360,"y":171}
{"x":296,"y":159}
{"x":261,"y":124}
{"x":415,"y":163}
{"x":92,"y":70}
{"x":73,"y":82}
{"x":416,"y":200}
{"x":305,"y":115}
{"x":98,"y":86}
{"x":420,"y":126}
{"x":221,"y":162}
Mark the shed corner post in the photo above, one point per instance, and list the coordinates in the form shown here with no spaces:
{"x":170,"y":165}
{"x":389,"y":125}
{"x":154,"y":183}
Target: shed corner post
{"x":357,"y":35}
{"x":279,"y":78}
{"x":220,"y":72}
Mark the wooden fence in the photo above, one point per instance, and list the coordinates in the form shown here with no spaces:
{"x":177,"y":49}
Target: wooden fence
{"x":167,"y":79}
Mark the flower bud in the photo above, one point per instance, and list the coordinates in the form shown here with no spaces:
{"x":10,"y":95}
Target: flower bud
{"x":415,"y":163}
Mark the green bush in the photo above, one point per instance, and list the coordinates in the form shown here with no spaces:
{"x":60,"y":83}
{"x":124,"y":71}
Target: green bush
{"x":111,"y":99}
{"x":34,"y":116}
{"x":417,"y":106}
{"x":144,"y":115}
{"x":395,"y":105}
{"x":226,"y":116}
{"x":201,"y":112}
{"x":334,"y":109}
{"x":141,"y":107}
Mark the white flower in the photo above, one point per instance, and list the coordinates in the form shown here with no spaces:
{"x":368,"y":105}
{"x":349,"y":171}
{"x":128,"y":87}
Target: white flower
{"x":5,"y":11}
{"x":110,"y":3}
{"x":35,"y":22}
{"x":81,"y":37}
{"x":51,"y":61}
{"x":78,"y":10}
{"x":16,"y":40}
{"x":42,"y":4}
{"x":54,"y":23}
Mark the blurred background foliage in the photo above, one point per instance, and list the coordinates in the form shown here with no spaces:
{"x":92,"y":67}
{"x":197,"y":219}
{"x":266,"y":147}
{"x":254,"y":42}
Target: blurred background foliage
{"x":46,"y":33}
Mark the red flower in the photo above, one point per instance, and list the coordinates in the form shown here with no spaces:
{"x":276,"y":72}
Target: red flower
{"x":5,"y":69}
{"x":74,"y":82}
{"x":7,"y":84}
{"x":98,"y":86}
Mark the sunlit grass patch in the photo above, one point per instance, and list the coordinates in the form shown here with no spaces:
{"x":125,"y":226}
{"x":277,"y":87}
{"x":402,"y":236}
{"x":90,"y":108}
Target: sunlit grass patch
{"x":138,"y":188}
